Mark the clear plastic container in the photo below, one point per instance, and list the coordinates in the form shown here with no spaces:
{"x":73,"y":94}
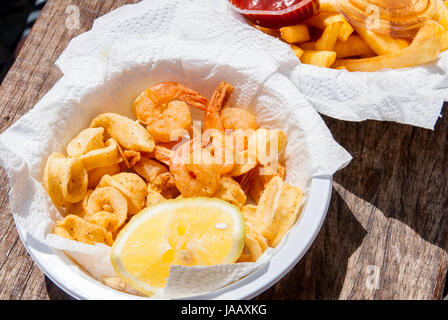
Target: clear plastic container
{"x":276,"y":13}
{"x":399,"y":18}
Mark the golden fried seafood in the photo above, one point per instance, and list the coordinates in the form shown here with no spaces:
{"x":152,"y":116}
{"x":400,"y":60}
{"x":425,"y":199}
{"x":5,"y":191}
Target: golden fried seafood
{"x":106,"y":156}
{"x":278,"y":210}
{"x":76,"y":228}
{"x":245,"y":254}
{"x":217,"y":142}
{"x":128,"y":133}
{"x":222,"y":148}
{"x":105,"y":219}
{"x":79,"y":208}
{"x":267,"y":144}
{"x":65,"y":179}
{"x":212,"y":118}
{"x":165,"y":109}
{"x":245,"y":180}
{"x":115,"y":169}
{"x":149,"y":169}
{"x":163,"y":182}
{"x":130,"y":157}
{"x":250,"y":214}
{"x":244,"y":162}
{"x":107,"y":199}
{"x":231,"y":191}
{"x":245,"y":158}
{"x":255,"y":242}
{"x":131,"y":186}
{"x":237,"y":118}
{"x":171,"y":193}
{"x":193,"y":178}
{"x":158,"y":177}
{"x":87,"y":140}
{"x":153,"y":197}
{"x":260,"y":177}
{"x":96,"y":174}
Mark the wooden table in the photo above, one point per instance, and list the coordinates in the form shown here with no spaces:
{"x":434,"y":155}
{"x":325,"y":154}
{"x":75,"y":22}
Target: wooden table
{"x":385,"y":235}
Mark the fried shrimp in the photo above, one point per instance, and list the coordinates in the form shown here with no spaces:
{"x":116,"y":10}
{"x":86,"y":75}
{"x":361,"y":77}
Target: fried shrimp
{"x":237,"y":118}
{"x":165,"y":109}
{"x":194,"y":172}
{"x":219,"y":99}
{"x":197,"y":165}
{"x":215,"y":140}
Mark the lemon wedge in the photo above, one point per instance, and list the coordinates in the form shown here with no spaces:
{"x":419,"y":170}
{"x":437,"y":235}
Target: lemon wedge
{"x":190,"y":232}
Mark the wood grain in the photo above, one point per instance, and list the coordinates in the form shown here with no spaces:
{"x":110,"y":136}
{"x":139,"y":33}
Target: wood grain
{"x":385,"y":235}
{"x":389,"y":213}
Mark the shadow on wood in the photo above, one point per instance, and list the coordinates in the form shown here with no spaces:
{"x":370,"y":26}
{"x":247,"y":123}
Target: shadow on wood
{"x":396,"y":187}
{"x":321,"y":272}
{"x":400,"y":169}
{"x":403,"y":172}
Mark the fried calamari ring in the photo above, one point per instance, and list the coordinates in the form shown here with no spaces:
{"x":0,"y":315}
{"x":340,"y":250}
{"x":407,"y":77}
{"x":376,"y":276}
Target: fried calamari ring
{"x":65,"y":179}
{"x":127,"y":132}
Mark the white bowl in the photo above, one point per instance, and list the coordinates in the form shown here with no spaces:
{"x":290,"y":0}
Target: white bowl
{"x":59,"y":268}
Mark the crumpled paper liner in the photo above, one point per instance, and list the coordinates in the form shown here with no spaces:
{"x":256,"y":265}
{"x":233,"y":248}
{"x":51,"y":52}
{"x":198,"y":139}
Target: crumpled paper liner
{"x":413,"y":96}
{"x":129,"y":50}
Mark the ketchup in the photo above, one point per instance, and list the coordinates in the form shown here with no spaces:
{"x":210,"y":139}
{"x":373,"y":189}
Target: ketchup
{"x":277,"y":13}
{"x":270,"y":5}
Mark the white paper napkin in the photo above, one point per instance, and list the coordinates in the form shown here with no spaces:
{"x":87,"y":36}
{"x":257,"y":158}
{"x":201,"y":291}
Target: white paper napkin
{"x":412,"y":96}
{"x":131,"y":49}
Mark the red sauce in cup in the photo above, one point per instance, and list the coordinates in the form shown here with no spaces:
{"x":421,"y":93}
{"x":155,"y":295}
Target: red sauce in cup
{"x":276,"y":13}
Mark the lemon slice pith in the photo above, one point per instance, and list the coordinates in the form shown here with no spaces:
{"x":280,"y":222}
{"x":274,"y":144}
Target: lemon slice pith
{"x":194,"y":231}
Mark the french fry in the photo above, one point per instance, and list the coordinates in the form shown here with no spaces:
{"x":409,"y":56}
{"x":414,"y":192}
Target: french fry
{"x":345,"y":32}
{"x":295,"y":34}
{"x":319,"y":58}
{"x":360,"y":48}
{"x":354,"y":46}
{"x":329,"y":37}
{"x":346,"y":29}
{"x":297,"y":50}
{"x":310,"y":46}
{"x":324,"y":19}
{"x":424,"y":49}
{"x":381,"y":44}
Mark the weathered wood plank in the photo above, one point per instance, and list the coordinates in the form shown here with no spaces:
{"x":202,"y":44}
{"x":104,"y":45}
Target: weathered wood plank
{"x":388,"y":217}
{"x":388,"y":214}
